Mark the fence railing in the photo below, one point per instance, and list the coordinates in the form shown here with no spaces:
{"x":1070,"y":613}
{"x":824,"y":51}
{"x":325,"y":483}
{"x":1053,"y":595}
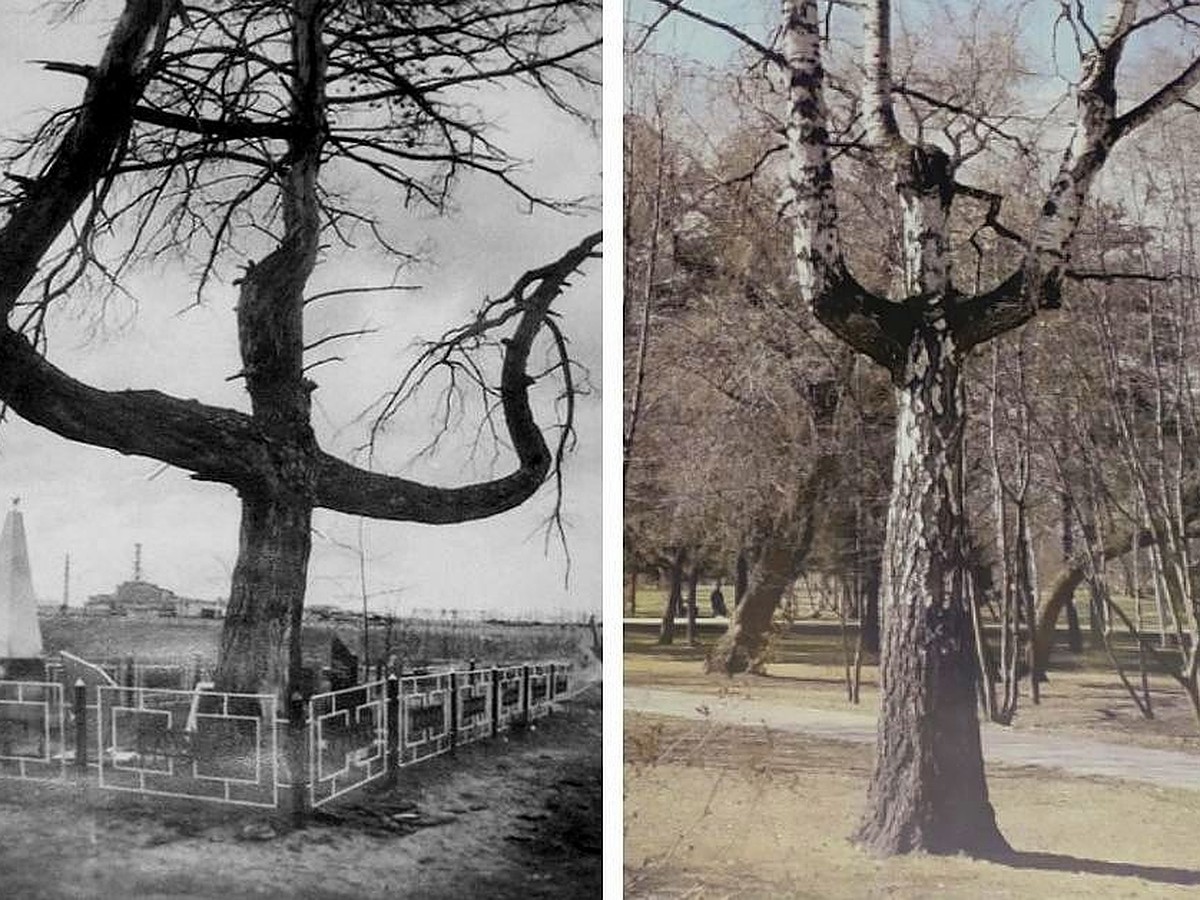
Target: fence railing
{"x":347,"y":740}
{"x":237,"y":748}
{"x":31,"y":730}
{"x":199,"y":744}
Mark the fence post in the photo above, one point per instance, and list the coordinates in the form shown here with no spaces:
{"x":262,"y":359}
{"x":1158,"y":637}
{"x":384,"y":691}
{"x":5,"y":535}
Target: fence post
{"x":453,"y":709}
{"x":130,"y":679}
{"x":550,"y":686}
{"x":495,"y":701}
{"x":298,"y":760}
{"x":525,"y":693}
{"x":80,"y":708}
{"x":393,"y":728}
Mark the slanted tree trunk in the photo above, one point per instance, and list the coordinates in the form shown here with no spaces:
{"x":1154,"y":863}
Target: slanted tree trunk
{"x":772,"y":560}
{"x":743,"y":646}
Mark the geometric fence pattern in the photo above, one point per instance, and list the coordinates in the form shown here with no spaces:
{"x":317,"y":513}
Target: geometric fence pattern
{"x":31,"y":730}
{"x":230,"y":748}
{"x":347,"y":741}
{"x":199,"y":744}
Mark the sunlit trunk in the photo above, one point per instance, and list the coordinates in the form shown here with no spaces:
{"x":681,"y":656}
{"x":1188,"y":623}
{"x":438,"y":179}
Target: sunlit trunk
{"x":928,"y":790}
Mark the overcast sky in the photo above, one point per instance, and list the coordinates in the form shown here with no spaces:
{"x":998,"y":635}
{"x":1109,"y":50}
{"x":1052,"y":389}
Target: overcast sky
{"x":95,"y":504}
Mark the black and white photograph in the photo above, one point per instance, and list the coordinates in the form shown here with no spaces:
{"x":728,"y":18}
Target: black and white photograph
{"x":910,"y":594}
{"x":300,"y":449}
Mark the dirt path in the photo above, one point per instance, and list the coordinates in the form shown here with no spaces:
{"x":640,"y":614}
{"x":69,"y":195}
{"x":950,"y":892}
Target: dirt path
{"x":1009,"y":746}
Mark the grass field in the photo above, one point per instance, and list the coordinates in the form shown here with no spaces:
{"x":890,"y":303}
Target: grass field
{"x":417,"y":643}
{"x":747,"y":815}
{"x":713,"y":810}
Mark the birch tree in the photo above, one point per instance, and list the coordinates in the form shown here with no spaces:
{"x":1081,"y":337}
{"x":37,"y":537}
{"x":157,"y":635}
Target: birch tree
{"x":928,"y":790}
{"x":229,"y":129}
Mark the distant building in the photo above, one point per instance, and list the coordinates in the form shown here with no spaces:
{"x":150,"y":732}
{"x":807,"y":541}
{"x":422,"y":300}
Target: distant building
{"x":142,"y":598}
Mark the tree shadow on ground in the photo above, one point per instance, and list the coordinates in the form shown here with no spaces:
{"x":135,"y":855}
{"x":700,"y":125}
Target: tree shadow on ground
{"x":1061,"y":862}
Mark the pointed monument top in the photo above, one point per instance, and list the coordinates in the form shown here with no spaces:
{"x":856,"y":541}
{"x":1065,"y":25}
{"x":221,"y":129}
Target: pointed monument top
{"x":20,"y":637}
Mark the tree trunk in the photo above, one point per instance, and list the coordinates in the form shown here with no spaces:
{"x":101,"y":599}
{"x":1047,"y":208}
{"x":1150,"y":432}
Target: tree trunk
{"x":260,"y":646}
{"x":928,"y":791}
{"x":666,"y":630}
{"x":869,"y":611}
{"x":741,"y":578}
{"x":743,"y":646}
{"x":693,"y":585}
{"x":633,"y":579}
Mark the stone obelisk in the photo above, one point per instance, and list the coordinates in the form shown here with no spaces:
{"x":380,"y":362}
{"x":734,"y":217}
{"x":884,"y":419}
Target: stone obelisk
{"x":20,"y":636}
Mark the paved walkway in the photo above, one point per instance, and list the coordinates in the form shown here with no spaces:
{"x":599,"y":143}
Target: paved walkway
{"x":1074,"y":755}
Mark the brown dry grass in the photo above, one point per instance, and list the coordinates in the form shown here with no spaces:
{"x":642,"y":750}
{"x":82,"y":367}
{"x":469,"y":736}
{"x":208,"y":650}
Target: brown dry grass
{"x":715,"y":811}
{"x":1084,"y":701}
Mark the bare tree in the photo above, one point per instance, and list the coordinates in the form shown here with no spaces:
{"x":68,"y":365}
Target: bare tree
{"x":211,"y":129}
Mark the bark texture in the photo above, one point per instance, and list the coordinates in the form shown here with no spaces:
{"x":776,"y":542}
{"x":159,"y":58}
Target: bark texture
{"x":928,"y":790}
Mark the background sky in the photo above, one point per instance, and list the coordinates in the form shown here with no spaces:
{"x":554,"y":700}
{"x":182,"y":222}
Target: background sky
{"x":96,"y":504}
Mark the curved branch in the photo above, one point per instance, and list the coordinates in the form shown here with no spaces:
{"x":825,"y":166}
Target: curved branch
{"x":870,"y":324}
{"x":348,"y":489}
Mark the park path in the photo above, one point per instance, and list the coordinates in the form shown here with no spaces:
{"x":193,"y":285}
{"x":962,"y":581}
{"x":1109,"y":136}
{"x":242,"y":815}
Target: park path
{"x":1069,"y":753}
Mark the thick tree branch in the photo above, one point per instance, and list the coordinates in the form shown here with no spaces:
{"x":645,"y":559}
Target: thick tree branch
{"x":213,"y":443}
{"x":1171,"y":92}
{"x":349,"y":489}
{"x":84,"y":153}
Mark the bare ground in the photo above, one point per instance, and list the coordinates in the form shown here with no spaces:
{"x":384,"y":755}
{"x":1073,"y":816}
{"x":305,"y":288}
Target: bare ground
{"x":516,"y":817}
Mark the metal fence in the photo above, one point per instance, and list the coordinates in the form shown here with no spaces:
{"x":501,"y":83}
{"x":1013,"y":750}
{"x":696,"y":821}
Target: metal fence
{"x":347,"y":740}
{"x":425,"y":716}
{"x":31,"y":730}
{"x":234,"y":748}
{"x":198,"y":744}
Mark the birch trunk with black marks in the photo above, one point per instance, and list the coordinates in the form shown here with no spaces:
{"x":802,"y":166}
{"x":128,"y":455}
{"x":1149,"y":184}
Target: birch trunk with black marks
{"x":928,"y":790}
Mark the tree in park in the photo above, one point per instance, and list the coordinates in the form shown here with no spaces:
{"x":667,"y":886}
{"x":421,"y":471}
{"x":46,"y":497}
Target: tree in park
{"x":222,"y":131}
{"x":928,"y":790}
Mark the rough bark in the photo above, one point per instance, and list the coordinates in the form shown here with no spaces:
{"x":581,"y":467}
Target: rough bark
{"x":771,"y":568}
{"x":260,"y":646}
{"x":928,"y":791}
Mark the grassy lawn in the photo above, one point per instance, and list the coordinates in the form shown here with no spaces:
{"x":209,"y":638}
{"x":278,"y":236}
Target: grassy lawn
{"x":713,"y":810}
{"x":419,"y":642}
{"x":719,"y":811}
